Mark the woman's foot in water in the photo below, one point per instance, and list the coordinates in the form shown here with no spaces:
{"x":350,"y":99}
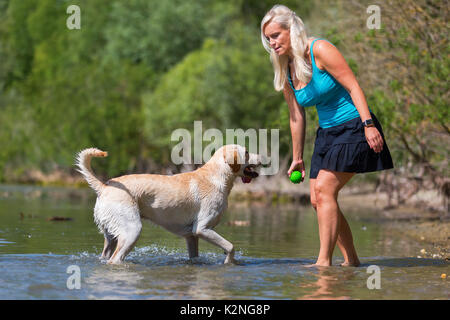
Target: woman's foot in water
{"x":351,"y":263}
{"x":319,"y":263}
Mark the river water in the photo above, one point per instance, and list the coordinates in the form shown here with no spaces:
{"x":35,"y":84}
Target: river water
{"x":43,"y":259}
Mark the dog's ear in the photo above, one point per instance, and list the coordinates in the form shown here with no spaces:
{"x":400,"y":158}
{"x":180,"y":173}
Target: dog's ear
{"x":232,"y":158}
{"x":235,"y":166}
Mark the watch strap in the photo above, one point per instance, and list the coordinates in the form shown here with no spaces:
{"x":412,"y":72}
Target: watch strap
{"x":368,"y":123}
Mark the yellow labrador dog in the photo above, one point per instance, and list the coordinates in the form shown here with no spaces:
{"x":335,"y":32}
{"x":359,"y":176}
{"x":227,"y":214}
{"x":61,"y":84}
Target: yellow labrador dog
{"x":188,"y":204}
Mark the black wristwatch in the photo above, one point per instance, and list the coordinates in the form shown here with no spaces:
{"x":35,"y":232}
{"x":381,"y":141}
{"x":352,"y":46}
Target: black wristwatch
{"x":368,"y":123}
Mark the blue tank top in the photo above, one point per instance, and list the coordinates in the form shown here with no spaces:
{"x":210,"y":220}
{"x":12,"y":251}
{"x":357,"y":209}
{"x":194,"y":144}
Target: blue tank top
{"x":333,"y":103}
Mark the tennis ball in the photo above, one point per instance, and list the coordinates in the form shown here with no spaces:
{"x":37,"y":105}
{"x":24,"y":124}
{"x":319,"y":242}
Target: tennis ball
{"x":296,"y":177}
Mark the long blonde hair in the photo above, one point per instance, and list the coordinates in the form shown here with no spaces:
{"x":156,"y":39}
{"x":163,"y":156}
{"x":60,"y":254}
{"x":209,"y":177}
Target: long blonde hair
{"x":288,"y":20}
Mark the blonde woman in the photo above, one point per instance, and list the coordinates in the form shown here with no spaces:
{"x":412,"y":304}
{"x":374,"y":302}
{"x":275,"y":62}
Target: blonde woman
{"x":349,"y":140}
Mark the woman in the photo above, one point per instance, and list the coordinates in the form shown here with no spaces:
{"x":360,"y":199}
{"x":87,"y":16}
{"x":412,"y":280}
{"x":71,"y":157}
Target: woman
{"x":349,"y":139}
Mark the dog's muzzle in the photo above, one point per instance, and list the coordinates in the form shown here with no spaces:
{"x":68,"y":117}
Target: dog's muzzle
{"x":249,"y":174}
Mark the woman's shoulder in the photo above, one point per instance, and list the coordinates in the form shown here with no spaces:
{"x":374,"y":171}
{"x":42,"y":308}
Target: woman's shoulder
{"x":321,"y":43}
{"x":322,"y":48}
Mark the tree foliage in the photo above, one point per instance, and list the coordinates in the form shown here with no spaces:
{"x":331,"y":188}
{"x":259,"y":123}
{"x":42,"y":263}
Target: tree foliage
{"x":138,"y":69}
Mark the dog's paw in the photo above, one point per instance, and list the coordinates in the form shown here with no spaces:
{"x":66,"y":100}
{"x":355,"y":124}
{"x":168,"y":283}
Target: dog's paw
{"x":229,"y":260}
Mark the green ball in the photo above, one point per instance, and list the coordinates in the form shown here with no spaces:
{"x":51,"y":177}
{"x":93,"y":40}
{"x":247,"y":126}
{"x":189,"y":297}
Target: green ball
{"x":296,"y":176}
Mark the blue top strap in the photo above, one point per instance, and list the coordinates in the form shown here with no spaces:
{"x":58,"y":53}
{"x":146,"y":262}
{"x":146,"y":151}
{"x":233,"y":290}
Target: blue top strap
{"x":312,"y":61}
{"x":311,"y":49}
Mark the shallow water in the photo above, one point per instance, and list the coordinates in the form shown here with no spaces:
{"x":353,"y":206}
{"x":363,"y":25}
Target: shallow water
{"x":272,"y":254}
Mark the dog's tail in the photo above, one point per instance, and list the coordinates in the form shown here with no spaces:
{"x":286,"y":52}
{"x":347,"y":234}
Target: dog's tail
{"x":83,"y":162}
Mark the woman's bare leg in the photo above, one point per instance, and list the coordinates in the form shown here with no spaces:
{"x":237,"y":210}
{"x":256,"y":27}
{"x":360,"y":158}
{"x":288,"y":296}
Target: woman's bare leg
{"x":333,"y":228}
{"x":345,"y":243}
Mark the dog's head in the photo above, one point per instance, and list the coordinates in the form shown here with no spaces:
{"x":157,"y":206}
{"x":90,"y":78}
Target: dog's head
{"x":241,"y":162}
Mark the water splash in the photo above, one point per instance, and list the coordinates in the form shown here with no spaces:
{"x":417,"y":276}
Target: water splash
{"x":161,"y":255}
{"x":83,"y":256}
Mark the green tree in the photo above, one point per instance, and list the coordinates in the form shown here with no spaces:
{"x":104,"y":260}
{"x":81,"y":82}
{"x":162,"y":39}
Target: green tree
{"x":224,"y":85}
{"x":160,"y":33}
{"x":123,"y":80}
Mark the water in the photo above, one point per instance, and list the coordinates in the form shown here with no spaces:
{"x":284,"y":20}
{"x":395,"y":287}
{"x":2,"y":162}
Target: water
{"x":272,"y":254}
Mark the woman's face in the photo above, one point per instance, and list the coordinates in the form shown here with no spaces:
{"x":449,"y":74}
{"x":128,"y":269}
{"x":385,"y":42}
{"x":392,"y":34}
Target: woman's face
{"x":278,"y":37}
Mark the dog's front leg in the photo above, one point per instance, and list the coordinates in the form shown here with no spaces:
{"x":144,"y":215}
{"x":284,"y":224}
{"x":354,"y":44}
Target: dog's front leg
{"x":109,"y":247}
{"x":192,"y":246}
{"x":213,"y":237}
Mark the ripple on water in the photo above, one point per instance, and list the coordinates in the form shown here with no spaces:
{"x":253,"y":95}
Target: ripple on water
{"x":4,"y":242}
{"x":158,"y":272}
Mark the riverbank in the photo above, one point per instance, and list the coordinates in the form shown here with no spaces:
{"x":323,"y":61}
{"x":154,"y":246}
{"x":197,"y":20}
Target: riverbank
{"x":429,"y":227}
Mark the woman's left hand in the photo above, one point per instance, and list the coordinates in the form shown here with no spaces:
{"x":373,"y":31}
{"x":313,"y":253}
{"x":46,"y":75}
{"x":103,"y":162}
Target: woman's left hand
{"x":374,"y":139}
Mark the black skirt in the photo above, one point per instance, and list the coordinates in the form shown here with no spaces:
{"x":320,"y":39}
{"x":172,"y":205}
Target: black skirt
{"x":344,"y":148}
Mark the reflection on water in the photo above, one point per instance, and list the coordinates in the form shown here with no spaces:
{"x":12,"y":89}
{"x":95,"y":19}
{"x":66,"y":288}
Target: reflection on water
{"x":273,"y":249}
{"x":326,"y":285}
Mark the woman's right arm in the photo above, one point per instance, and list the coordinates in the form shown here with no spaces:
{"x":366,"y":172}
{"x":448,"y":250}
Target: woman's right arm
{"x":297,"y":121}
